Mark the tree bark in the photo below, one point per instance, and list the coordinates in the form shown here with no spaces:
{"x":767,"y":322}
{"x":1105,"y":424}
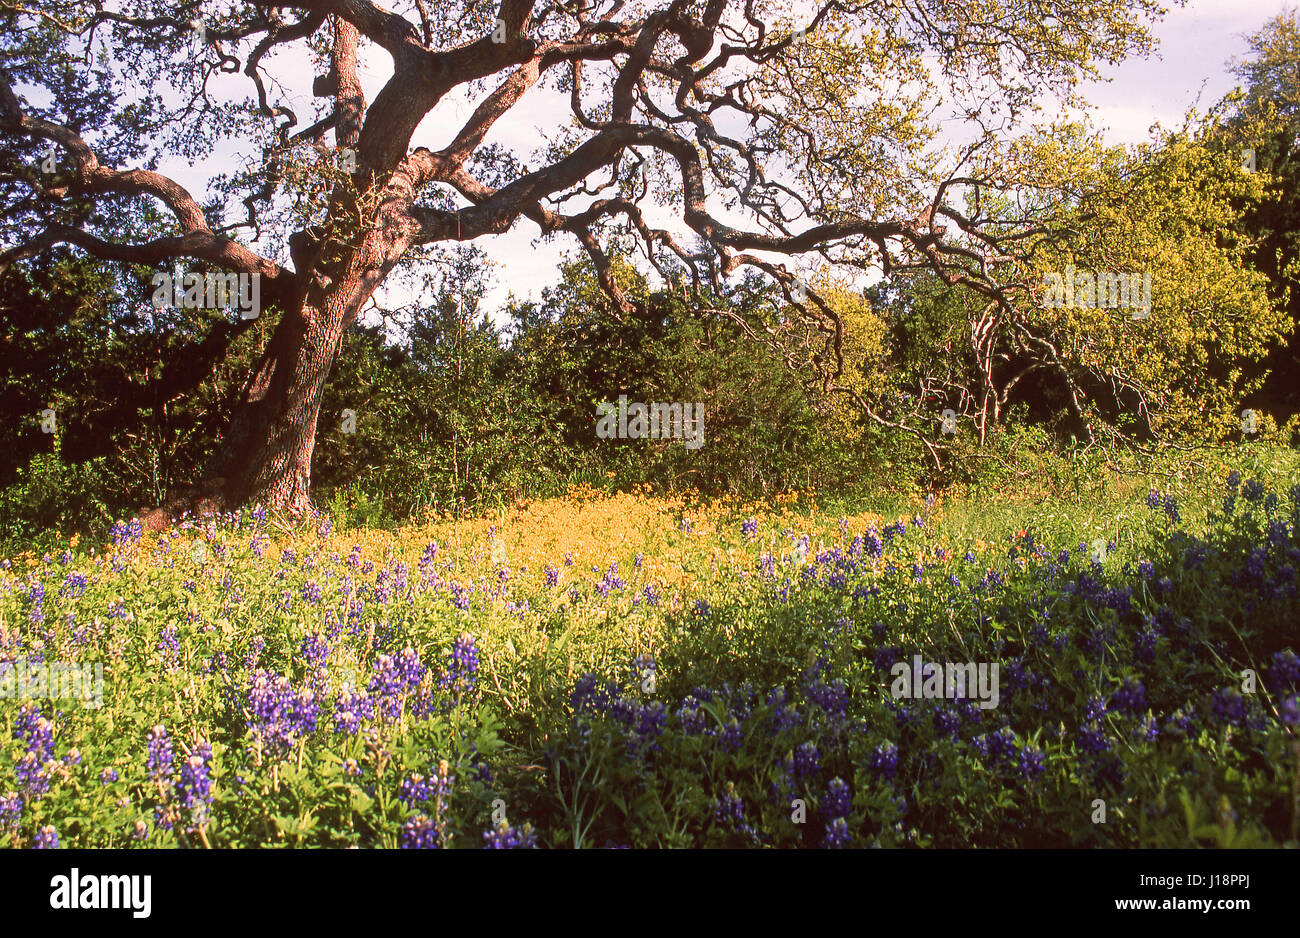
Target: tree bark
{"x":266,"y":456}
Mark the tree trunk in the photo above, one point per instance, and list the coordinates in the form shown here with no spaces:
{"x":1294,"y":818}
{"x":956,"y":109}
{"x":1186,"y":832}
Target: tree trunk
{"x":266,"y":457}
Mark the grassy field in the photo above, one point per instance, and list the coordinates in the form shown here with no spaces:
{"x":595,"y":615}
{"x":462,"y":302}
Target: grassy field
{"x":638,"y":670}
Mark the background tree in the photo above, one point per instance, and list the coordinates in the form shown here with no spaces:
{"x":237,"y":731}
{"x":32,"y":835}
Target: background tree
{"x":769,"y":133}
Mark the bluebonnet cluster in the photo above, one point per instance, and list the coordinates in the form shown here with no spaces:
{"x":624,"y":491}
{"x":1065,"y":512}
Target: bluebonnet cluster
{"x":507,"y":837}
{"x":462,"y":666}
{"x":126,"y":533}
{"x":611,"y":581}
{"x":169,"y":645}
{"x":1130,"y":697}
{"x":314,"y":650}
{"x":395,"y":679}
{"x":352,"y":707}
{"x":884,"y":760}
{"x":194,"y":788}
{"x":279,"y":715}
{"x":158,"y":760}
{"x":838,"y":800}
{"x":421,"y":833}
{"x":837,"y":834}
{"x":11,"y":812}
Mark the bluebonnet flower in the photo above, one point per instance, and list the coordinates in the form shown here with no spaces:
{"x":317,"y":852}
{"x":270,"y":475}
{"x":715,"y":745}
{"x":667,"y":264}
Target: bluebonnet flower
{"x":1153,"y":499}
{"x":1253,"y":491}
{"x":270,"y":701}
{"x":692,"y":717}
{"x":314,"y":650}
{"x":1146,"y":569}
{"x":311,"y":591}
{"x":194,"y":789}
{"x":1093,"y":740}
{"x":1130,"y":697}
{"x":729,"y":808}
{"x":32,"y":773}
{"x":46,"y":839}
{"x":306,"y":711}
{"x":36,"y":596}
{"x":506,"y":837}
{"x":611,"y":581}
{"x":119,"y":532}
{"x":108,"y":776}
{"x":884,"y":761}
{"x":388,"y":687}
{"x":837,"y":834}
{"x":702,"y":609}
{"x":35,"y":730}
{"x":11,"y":811}
{"x":169,"y":641}
{"x":1000,"y":745}
{"x":420,"y":833}
{"x":749,"y":528}
{"x":416,"y":789}
{"x":164,"y":817}
{"x":1289,"y":711}
{"x":462,"y":666}
{"x":1234,"y":480}
{"x":1145,"y":643}
{"x":1228,"y":706}
{"x":947,"y":721}
{"x":832,"y":697}
{"x":1032,"y":762}
{"x":838,"y":801}
{"x":875,"y":546}
{"x":158,"y":762}
{"x":351,"y":707}
{"x":1285,"y":669}
{"x":1179,"y":724}
{"x":552,"y":575}
{"x":732,"y":736}
{"x":74,"y":585}
{"x":591,"y":697}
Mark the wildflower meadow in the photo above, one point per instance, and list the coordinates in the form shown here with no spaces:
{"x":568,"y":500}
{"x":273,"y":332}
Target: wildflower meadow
{"x":627,"y":670}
